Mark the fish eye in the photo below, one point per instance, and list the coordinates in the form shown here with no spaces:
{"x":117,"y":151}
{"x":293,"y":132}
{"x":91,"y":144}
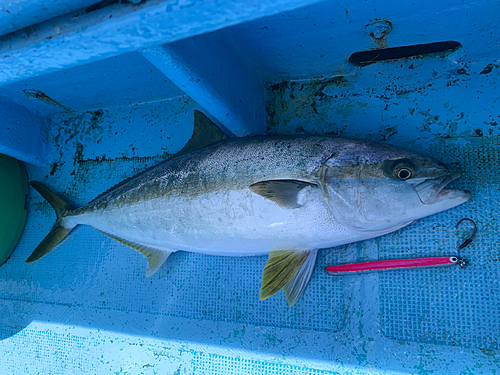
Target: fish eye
{"x":403,"y":173}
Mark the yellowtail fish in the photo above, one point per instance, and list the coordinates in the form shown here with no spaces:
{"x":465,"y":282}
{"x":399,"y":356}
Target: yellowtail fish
{"x":285,"y":196}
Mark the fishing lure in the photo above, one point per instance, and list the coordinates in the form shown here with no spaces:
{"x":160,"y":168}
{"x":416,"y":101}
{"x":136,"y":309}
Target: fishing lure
{"x":395,"y":264}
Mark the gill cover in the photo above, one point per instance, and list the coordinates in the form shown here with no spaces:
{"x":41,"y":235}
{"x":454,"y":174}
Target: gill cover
{"x":344,"y":191}
{"x":362,"y":197}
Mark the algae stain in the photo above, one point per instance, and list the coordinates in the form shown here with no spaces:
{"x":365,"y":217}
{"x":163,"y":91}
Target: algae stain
{"x":96,"y":117}
{"x":54,"y":167}
{"x":488,"y":68}
{"x":239,"y":333}
{"x":290,"y":101}
{"x":362,"y":357}
{"x":490,"y":353}
{"x":280,"y":87}
{"x":387,"y":133}
{"x":70,"y":134}
{"x":271,"y":340}
{"x":78,"y":154}
{"x":314,"y":107}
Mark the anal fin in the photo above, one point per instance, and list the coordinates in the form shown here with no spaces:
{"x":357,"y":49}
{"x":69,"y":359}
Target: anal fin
{"x":156,"y":257}
{"x":155,"y":261}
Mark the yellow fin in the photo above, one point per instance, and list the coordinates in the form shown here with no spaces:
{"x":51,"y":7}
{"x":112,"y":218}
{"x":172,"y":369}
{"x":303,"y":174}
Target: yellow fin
{"x":282,"y":266}
{"x":56,"y":235}
{"x":156,"y":257}
{"x":156,"y":260}
{"x":58,"y":204}
{"x":58,"y":231}
{"x":282,"y":192}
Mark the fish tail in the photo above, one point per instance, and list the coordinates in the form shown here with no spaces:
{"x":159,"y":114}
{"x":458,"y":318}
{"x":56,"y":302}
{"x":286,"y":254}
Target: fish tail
{"x":58,"y":231}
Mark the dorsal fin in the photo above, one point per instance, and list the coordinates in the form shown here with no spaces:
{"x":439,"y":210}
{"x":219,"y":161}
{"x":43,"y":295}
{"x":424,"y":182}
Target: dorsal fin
{"x":205,"y":133}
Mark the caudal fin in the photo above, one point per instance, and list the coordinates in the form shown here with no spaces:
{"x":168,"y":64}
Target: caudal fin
{"x":58,"y":232}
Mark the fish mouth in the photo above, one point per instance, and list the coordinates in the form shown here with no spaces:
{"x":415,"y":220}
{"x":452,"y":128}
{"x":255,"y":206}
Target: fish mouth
{"x":433,"y":190}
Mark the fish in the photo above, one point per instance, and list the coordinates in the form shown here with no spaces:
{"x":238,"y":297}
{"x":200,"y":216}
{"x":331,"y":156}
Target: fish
{"x":285,"y":196}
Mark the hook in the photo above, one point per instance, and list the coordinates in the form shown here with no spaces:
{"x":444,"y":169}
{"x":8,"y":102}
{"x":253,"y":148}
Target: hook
{"x":468,"y":240}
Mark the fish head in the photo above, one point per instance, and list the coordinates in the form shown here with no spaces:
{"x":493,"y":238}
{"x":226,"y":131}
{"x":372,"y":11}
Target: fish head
{"x":380,"y":188}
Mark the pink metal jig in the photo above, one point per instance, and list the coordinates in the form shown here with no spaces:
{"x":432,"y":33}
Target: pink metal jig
{"x":395,"y":264}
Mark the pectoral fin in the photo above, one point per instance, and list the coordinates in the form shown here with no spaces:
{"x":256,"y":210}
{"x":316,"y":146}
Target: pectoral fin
{"x":156,"y":257}
{"x":282,"y":192}
{"x":282,"y":268}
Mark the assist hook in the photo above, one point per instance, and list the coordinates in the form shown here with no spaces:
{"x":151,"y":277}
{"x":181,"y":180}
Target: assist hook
{"x":462,"y":261}
{"x":468,"y":240}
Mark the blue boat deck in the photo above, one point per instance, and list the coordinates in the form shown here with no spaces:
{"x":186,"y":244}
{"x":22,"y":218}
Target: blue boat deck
{"x":84,"y":122}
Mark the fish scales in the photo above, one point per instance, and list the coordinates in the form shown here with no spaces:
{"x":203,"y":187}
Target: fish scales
{"x":235,"y":164}
{"x":201,"y":201}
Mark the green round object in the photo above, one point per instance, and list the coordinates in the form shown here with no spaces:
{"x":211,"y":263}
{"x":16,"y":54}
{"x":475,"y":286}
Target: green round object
{"x":13,"y":190}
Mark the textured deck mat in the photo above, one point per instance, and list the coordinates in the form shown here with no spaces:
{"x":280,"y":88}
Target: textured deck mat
{"x":450,"y":305}
{"x":218,"y":364}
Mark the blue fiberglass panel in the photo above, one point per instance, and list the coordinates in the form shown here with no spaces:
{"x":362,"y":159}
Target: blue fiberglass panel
{"x":87,"y":305}
{"x":122,"y":80}
{"x":315,"y":42}
{"x":17,"y":14}
{"x":87,"y":308}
